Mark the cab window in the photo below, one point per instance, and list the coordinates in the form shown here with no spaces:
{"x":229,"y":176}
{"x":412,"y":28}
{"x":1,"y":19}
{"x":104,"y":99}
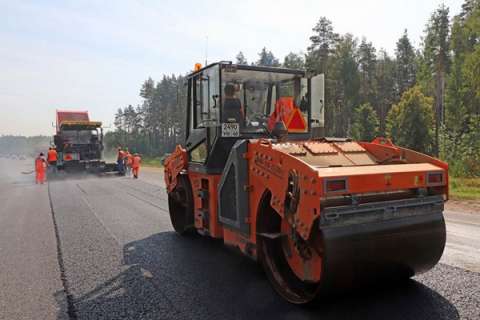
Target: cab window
{"x":205,"y":98}
{"x":256,"y":100}
{"x":199,"y":153}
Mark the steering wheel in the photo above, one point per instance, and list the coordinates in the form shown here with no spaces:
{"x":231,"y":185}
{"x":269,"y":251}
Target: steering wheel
{"x":258,"y":117}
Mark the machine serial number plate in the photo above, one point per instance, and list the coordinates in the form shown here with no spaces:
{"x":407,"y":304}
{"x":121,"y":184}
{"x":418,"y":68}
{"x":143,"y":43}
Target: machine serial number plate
{"x":230,"y":129}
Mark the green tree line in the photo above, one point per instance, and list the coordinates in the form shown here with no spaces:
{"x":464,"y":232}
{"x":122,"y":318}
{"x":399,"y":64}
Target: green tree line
{"x":425,"y":98}
{"x":24,"y":146}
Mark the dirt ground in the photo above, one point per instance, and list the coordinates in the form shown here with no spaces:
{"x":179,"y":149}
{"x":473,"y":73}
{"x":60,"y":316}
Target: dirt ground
{"x":465,"y":206}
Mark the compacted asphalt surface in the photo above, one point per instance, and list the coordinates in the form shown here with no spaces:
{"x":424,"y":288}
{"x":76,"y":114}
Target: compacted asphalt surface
{"x":89,"y":247}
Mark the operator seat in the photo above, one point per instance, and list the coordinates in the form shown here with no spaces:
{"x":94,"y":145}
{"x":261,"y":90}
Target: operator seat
{"x":232,"y":111}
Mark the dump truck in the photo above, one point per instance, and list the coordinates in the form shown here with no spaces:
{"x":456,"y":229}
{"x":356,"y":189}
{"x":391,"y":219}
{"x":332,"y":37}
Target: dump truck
{"x":321,"y":215}
{"x":79,"y":143}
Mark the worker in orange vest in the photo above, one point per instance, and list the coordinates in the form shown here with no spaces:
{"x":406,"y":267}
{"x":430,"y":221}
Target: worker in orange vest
{"x":136,"y":165}
{"x":40,"y":167}
{"x":128,"y":163}
{"x":120,"y":161}
{"x":52,"y":158}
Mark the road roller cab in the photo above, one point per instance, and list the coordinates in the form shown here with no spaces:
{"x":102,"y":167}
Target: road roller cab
{"x":320,"y":214}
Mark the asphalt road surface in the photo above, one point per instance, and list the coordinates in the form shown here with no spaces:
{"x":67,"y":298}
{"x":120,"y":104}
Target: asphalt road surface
{"x":103,"y":248}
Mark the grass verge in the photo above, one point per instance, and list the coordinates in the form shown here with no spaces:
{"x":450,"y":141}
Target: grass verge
{"x":155,"y":162}
{"x":464,"y":188}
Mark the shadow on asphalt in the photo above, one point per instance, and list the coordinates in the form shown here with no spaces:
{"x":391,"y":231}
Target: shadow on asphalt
{"x":167,"y":276}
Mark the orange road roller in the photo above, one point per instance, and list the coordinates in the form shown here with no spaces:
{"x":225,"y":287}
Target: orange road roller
{"x":320,"y":214}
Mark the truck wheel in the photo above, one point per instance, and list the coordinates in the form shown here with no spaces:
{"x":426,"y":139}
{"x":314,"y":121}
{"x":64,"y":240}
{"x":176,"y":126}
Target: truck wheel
{"x":180,"y":205}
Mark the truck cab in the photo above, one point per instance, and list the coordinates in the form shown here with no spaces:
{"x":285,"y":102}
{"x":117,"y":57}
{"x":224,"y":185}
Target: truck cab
{"x":79,"y":142}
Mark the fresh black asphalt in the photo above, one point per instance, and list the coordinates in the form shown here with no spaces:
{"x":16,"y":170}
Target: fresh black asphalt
{"x":120,"y":259}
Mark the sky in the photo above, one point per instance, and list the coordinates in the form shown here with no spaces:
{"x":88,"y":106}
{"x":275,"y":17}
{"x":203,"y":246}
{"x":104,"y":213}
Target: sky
{"x":94,"y":55}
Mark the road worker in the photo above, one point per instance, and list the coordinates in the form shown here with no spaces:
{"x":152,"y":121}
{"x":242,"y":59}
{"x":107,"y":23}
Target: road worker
{"x":52,"y":158}
{"x":40,"y":167}
{"x":136,"y":165}
{"x":128,"y":163}
{"x":120,"y":161}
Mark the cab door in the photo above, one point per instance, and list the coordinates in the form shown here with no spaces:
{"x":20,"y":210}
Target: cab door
{"x":203,"y":114}
{"x":203,"y":121}
{"x":317,"y":99}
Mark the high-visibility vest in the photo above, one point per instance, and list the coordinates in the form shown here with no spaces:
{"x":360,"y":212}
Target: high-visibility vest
{"x":120,"y":155}
{"x":136,"y":162}
{"x":52,"y":155}
{"x":39,"y":164}
{"x":129,"y":159}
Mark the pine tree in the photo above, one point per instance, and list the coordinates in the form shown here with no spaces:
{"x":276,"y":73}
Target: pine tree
{"x":147,"y":90}
{"x":468,"y":7}
{"x":456,"y":100}
{"x":266,"y":58}
{"x":294,"y":61}
{"x":319,"y":60}
{"x":367,"y":61}
{"x":118,"y":122}
{"x":385,"y":87}
{"x":435,"y":61}
{"x":406,"y":64}
{"x":365,"y":125}
{"x":323,"y":42}
{"x":240,"y":58}
{"x":343,"y":67}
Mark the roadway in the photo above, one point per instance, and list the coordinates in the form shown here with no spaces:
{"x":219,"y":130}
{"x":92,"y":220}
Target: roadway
{"x":103,"y":248}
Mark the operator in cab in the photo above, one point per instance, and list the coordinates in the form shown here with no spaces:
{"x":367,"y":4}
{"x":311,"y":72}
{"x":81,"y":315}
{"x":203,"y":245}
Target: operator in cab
{"x":232,"y":106}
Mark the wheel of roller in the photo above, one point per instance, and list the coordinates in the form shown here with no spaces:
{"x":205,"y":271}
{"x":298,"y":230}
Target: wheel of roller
{"x":302,"y":258}
{"x":180,"y":206}
{"x":294,"y":277}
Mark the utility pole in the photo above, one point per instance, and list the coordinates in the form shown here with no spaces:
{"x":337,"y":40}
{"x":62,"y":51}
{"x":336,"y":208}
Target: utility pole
{"x":206,"y":50}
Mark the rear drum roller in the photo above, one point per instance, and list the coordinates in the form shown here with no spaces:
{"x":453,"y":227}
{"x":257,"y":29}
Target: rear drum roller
{"x":180,"y":205}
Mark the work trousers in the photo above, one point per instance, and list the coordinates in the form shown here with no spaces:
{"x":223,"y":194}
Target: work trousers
{"x":40,"y":176}
{"x":121,"y":166}
{"x":135,"y":171}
